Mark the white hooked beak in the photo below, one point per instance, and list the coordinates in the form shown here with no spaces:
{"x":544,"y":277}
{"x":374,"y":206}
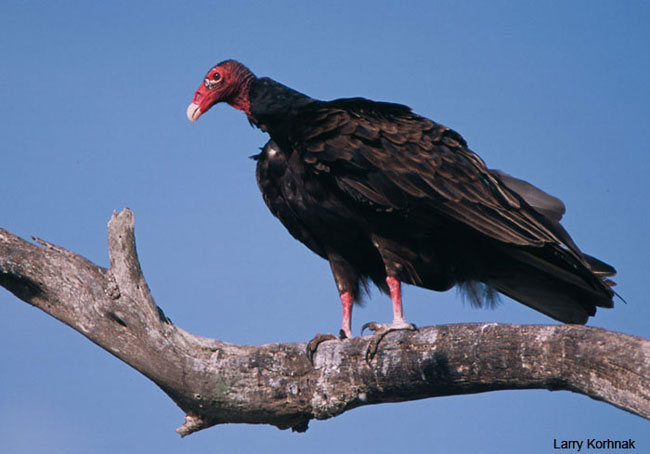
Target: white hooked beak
{"x":193,"y":112}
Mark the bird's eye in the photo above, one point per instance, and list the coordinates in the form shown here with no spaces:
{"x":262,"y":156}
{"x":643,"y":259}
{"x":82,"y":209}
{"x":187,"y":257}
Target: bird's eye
{"x":217,"y":76}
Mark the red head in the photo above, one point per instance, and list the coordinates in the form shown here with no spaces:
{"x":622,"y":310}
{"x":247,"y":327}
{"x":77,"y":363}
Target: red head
{"x":229,"y":81}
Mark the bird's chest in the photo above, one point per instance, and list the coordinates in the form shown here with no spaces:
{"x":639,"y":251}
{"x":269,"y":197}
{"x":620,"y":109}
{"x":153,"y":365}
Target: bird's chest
{"x":305,"y":192}
{"x":291,"y":189}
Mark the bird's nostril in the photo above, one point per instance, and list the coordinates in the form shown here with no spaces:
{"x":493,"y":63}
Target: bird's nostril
{"x":197,"y":95}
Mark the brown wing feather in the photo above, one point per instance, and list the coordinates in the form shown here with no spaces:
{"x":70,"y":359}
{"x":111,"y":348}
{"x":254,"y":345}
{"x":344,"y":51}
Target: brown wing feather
{"x":383,"y":155}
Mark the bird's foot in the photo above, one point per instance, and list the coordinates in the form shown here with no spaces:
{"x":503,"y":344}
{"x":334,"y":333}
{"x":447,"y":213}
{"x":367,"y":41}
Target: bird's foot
{"x":318,"y":339}
{"x":380,"y":330}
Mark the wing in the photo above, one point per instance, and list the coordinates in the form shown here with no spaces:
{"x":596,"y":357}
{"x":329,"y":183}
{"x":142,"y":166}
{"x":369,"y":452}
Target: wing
{"x":551,"y":207}
{"x":384,"y":156}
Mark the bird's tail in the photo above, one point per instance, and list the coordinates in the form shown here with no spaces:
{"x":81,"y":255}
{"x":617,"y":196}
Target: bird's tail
{"x":556,"y":284}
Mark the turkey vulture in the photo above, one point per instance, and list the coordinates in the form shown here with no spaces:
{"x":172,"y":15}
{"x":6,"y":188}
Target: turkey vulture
{"x":389,"y":196}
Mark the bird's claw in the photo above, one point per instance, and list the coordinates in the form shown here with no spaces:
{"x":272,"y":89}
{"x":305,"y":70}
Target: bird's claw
{"x":380,"y":330}
{"x":372,"y":326}
{"x":318,"y":339}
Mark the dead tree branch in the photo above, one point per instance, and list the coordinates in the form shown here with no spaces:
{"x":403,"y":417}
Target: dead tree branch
{"x":215,"y":382}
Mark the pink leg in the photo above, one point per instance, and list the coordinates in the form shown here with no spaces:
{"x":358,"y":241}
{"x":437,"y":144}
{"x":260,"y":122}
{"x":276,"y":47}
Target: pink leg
{"x":346,"y":325}
{"x":347,"y":300}
{"x":395,"y":287}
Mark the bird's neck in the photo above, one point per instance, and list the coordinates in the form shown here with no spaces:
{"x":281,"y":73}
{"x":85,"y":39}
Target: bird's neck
{"x":273,"y":106}
{"x":242,"y":100}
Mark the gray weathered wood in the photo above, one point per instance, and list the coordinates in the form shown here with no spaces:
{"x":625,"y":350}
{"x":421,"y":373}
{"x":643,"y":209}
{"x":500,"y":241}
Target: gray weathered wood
{"x":216,"y":382}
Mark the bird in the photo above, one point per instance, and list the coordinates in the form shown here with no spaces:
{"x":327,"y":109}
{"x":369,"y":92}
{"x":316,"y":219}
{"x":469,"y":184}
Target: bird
{"x":390,"y":197}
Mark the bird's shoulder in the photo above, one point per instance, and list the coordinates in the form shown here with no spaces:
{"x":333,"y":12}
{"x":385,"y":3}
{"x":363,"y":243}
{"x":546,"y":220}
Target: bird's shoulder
{"x":364,"y":119}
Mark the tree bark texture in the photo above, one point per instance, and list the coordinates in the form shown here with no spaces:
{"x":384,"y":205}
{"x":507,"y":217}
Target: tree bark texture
{"x":215,"y":382}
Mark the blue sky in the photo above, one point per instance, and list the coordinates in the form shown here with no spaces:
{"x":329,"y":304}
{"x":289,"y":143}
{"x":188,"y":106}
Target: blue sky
{"x":93,"y":119}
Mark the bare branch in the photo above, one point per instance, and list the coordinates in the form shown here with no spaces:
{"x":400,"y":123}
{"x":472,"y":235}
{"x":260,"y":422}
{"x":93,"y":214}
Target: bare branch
{"x":214,"y":382}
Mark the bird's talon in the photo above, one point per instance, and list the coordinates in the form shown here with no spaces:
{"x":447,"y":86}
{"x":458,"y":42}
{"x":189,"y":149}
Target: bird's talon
{"x":406,"y":327}
{"x":313,"y":344}
{"x":371,"y":350}
{"x":372,"y":326}
{"x":380,"y":332}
